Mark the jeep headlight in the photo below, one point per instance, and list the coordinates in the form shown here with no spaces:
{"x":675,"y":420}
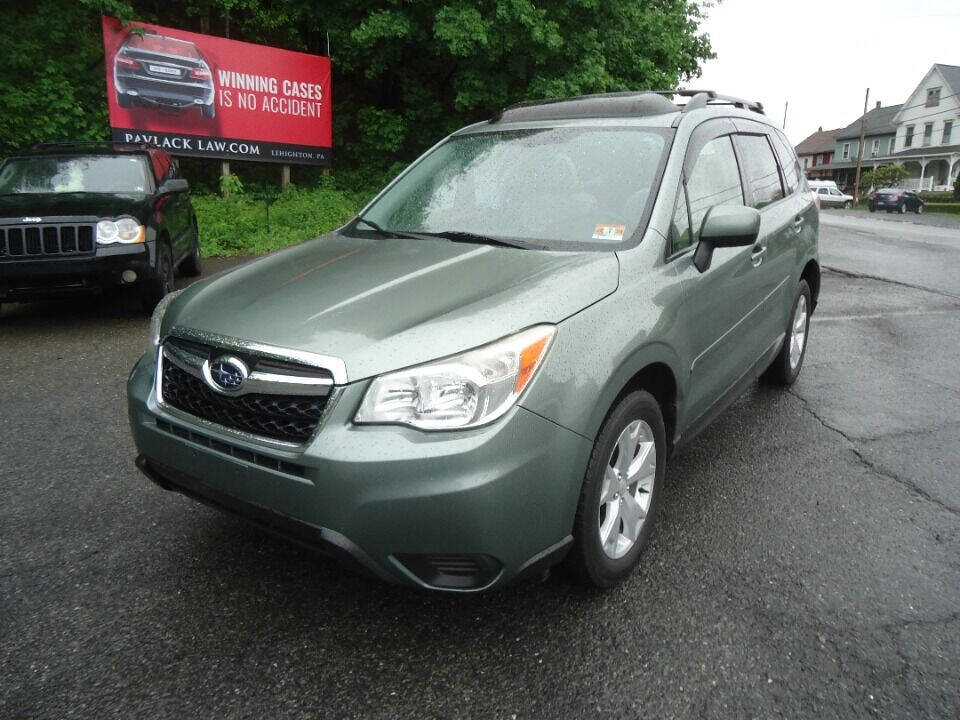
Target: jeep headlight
{"x":125,"y":230}
{"x":156,"y":320}
{"x":463,"y":391}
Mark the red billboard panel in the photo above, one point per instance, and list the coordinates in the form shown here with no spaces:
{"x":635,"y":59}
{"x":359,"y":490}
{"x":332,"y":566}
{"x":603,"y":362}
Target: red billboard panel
{"x":208,"y":96}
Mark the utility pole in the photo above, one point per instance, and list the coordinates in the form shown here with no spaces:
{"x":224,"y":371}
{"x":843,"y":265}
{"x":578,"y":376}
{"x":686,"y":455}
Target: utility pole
{"x":786,"y":103}
{"x":863,"y":129}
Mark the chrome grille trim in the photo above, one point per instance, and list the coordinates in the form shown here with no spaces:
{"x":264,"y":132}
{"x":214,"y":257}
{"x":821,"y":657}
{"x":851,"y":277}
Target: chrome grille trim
{"x":333,"y":365}
{"x":261,"y":383}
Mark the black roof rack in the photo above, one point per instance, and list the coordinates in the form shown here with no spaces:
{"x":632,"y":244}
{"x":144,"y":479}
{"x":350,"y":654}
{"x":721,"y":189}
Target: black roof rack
{"x":620,"y":104}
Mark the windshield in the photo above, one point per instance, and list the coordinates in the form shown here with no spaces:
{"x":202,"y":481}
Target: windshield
{"x":557,"y":188}
{"x":75,"y":173}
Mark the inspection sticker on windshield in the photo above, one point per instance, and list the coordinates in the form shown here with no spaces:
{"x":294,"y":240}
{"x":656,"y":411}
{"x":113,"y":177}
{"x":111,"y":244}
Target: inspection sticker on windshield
{"x":611,"y":233}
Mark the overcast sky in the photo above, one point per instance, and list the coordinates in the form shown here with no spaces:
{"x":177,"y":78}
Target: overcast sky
{"x":821,"y":56}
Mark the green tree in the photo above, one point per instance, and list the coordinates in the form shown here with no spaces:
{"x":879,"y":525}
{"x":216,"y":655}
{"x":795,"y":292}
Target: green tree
{"x":406,"y":72}
{"x":884,"y":176}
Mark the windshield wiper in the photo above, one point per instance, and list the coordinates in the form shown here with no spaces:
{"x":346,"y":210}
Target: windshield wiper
{"x":470,"y":237}
{"x":389,"y":233}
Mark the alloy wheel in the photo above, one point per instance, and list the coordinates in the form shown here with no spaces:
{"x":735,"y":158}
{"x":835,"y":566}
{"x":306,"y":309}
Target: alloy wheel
{"x":627,"y":489}
{"x":798,"y":332}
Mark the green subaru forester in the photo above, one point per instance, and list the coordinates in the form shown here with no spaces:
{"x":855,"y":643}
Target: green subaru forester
{"x":484,"y":373}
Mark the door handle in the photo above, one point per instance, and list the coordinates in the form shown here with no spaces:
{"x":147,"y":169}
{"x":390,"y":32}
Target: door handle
{"x":798,"y":223}
{"x":757,"y":256}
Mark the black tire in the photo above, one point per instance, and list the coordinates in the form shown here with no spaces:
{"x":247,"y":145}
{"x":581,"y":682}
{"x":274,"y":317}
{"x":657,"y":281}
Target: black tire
{"x":587,"y":561}
{"x":781,"y":371}
{"x":191,"y":266}
{"x":156,"y":288}
{"x":846,"y":205}
{"x":209,"y":111}
{"x":902,"y":209}
{"x":124,"y":101}
{"x":919,"y":210}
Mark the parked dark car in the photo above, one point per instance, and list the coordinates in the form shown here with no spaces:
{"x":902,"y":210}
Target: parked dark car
{"x":162,"y":71}
{"x":896,"y":199}
{"x":80,"y":217}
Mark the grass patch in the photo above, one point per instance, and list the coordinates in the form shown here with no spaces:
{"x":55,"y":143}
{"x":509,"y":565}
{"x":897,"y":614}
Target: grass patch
{"x":237,"y":225}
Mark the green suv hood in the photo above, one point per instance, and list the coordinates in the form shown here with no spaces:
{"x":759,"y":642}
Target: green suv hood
{"x":384,"y":304}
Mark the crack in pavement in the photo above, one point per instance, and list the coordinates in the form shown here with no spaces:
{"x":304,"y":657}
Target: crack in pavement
{"x":869,"y":464}
{"x":865,"y":276}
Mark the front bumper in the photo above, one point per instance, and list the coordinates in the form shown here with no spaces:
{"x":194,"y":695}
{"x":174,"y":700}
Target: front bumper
{"x":461,"y":511}
{"x":31,"y":279}
{"x":168,"y":93}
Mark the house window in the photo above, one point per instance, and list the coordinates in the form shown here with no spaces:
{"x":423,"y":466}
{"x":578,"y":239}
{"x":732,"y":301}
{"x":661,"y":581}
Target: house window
{"x":893,"y":145}
{"x":947,"y":131}
{"x":908,"y":137}
{"x":875,"y":147}
{"x":927,"y":133}
{"x":846,"y":151}
{"x":933,"y":97}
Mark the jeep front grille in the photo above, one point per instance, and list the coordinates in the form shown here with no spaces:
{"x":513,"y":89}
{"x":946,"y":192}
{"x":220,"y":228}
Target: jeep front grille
{"x":44,"y":240}
{"x":285,"y":401}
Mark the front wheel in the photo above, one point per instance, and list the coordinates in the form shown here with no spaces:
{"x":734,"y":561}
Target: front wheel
{"x":902,"y":209}
{"x":919,"y":210}
{"x":785,"y":368}
{"x":209,"y":111}
{"x":620,"y":493}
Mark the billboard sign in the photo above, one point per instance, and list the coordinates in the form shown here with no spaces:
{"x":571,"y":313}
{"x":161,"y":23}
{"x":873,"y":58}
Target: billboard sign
{"x":207,"y":96}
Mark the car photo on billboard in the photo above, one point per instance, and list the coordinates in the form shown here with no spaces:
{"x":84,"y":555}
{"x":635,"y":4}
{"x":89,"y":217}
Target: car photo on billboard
{"x":164,"y":72}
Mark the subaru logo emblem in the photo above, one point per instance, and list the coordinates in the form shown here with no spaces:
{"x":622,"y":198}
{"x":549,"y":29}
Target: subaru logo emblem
{"x":227,"y":374}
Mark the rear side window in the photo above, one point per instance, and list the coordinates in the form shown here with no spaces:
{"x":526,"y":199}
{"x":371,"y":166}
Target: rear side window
{"x":761,"y":169}
{"x":714,"y":180}
{"x":788,"y":162}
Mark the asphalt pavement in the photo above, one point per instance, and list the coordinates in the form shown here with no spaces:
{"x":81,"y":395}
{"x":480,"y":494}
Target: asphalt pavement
{"x":806,"y":563}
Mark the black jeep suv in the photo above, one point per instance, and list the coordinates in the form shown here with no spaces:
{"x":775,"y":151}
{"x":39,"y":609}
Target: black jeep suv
{"x":77,"y":217}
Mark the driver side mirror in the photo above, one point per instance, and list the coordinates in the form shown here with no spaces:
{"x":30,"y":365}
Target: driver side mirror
{"x":174,"y":185}
{"x":725,"y":226}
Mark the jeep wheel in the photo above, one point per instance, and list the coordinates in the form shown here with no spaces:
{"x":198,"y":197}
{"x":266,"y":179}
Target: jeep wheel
{"x":156,"y":288}
{"x":620,"y":492}
{"x":209,"y":111}
{"x":847,"y":205}
{"x":786,"y":367}
{"x":919,"y":210}
{"x":902,"y":209}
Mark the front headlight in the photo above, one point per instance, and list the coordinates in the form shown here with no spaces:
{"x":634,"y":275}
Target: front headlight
{"x":157,"y":318}
{"x":125,"y":230}
{"x":464,"y":391}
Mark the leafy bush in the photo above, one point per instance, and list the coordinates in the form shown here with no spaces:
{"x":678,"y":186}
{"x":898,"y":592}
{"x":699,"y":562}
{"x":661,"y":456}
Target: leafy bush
{"x":951,"y":208}
{"x":231,"y":185}
{"x":237,"y":225}
{"x":956,"y":188}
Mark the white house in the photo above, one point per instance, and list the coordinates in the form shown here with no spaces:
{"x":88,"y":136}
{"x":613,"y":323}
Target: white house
{"x":928,"y":130}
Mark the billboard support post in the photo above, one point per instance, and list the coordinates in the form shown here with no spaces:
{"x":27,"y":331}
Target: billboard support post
{"x":225,"y":172}
{"x":284,"y":177}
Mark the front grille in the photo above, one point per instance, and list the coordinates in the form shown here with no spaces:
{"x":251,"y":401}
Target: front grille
{"x":46,"y":240}
{"x":291,"y":418}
